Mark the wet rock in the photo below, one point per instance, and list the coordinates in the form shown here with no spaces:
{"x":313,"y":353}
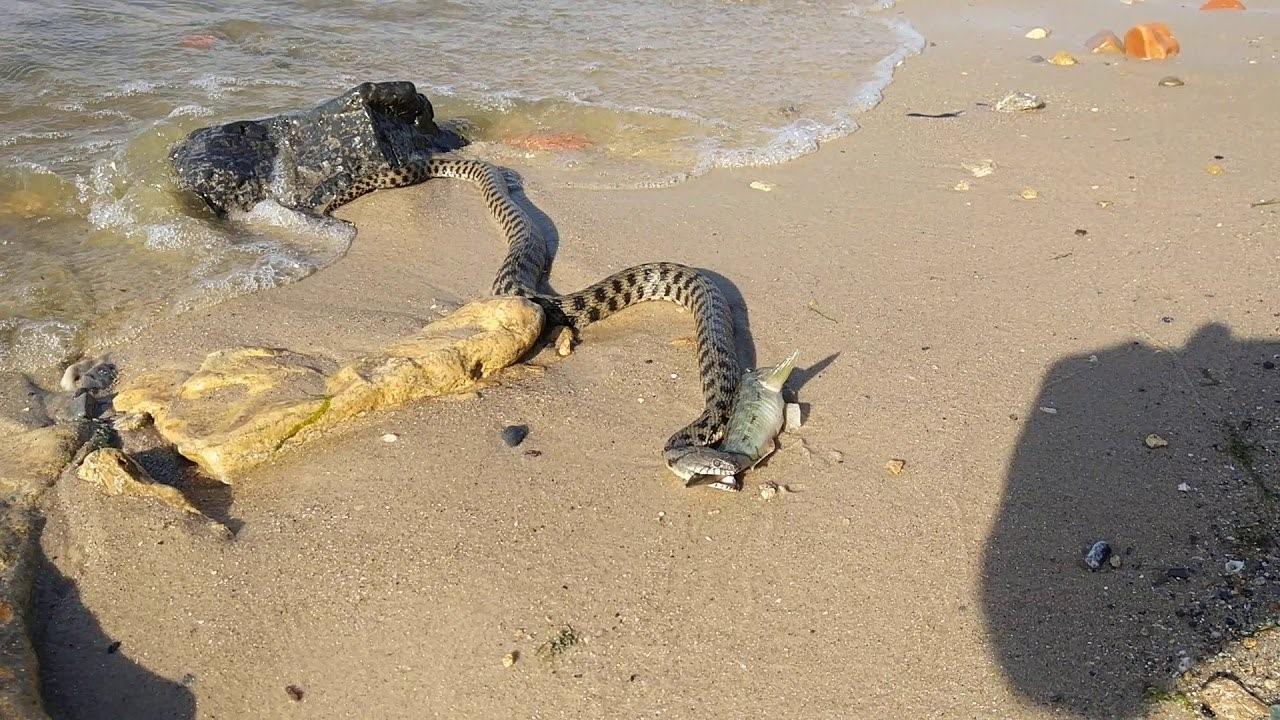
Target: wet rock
{"x":513,"y":435}
{"x":117,"y":474}
{"x":303,"y":159}
{"x":1170,"y":81}
{"x":243,"y":406}
{"x":1223,"y":5}
{"x":1063,"y":58}
{"x":1104,"y":42}
{"x":1098,"y":555}
{"x":1019,"y":102}
{"x":21,"y":404}
{"x":1150,"y":41}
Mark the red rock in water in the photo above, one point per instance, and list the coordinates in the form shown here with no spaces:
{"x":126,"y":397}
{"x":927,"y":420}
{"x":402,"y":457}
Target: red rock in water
{"x":198,"y":41}
{"x":1222,"y":5}
{"x":1150,"y":41}
{"x":550,"y":141}
{"x":1104,"y":41}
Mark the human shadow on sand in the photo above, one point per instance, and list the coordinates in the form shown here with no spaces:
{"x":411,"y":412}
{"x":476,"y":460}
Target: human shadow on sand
{"x":87,"y":675}
{"x":1101,"y":644}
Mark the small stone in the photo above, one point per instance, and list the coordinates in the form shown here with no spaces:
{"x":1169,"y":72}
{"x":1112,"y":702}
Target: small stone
{"x":1099,"y":553}
{"x":1214,"y":169}
{"x":1150,"y":41}
{"x":793,"y":420}
{"x":1104,"y":42}
{"x":768,"y":491}
{"x":979,"y":169}
{"x":1063,"y":58}
{"x":835,"y":456}
{"x":513,"y":435}
{"x":1178,"y":573}
{"x":1170,"y":81}
{"x":390,"y":438}
{"x":510,"y":658}
{"x":895,"y":466}
{"x":564,"y":342}
{"x":295,"y":693}
{"x":1037,"y":33}
{"x":1115,"y":562}
{"x":962,"y":186}
{"x":1048,"y":410}
{"x":1029,"y":194}
{"x":1183,"y":487}
{"x":1104,"y":204}
{"x":761,"y":186}
{"x":82,"y":405}
{"x":1154,"y":441}
{"x":1223,"y":5}
{"x":1019,"y":102}
{"x":1036,"y":58}
{"x":1268,"y":365}
{"x":1234,"y":567}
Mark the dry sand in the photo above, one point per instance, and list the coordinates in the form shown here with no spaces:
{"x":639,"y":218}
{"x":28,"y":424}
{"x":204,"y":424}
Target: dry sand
{"x":389,"y":580}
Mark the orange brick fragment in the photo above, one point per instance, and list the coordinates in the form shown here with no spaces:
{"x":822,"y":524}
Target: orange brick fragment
{"x":1222,"y":5}
{"x":1150,"y":41}
{"x":1104,"y":41}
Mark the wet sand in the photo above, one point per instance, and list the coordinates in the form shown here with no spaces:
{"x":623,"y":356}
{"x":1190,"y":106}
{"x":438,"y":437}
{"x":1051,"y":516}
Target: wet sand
{"x":389,"y":580}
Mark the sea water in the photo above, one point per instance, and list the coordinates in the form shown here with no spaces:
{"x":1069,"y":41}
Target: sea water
{"x":95,"y":242}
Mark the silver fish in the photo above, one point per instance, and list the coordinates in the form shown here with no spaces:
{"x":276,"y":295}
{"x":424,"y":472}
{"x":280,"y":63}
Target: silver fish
{"x":757,"y":418}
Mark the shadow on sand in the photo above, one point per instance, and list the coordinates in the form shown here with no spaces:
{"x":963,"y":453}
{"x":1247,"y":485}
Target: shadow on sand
{"x":84,"y":673}
{"x":1098,"y":644}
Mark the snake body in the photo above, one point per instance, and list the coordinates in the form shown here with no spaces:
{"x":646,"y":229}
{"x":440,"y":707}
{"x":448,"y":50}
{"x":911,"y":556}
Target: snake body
{"x":527,"y":263}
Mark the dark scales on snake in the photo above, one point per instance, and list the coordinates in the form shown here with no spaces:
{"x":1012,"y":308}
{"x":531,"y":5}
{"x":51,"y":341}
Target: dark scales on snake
{"x":528,"y":262}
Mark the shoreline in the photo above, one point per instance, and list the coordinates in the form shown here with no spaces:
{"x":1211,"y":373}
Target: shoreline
{"x":391,"y":578}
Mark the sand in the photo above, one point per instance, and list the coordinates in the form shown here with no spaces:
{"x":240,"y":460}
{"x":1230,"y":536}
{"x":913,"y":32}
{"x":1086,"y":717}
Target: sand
{"x":389,"y":580}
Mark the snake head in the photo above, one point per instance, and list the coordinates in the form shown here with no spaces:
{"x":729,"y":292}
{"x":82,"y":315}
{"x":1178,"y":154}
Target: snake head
{"x":688,"y":463}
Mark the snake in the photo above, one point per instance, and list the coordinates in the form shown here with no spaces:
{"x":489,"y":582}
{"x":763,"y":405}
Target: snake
{"x":527,"y":264}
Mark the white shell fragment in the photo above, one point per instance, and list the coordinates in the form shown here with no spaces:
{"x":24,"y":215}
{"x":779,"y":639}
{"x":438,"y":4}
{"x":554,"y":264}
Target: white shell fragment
{"x":793,"y":420}
{"x":390,"y":438}
{"x":1019,"y":102}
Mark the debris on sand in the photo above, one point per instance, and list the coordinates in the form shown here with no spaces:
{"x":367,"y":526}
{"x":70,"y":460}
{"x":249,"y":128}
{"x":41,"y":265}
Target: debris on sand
{"x":895,"y":466}
{"x":1170,"y":81}
{"x":513,"y":435}
{"x":1019,"y":102}
{"x":1154,"y":441}
{"x":1062,"y":57}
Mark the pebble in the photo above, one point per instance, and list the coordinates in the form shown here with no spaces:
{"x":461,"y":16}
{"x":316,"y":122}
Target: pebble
{"x":896,"y":466}
{"x":761,"y":186}
{"x":1179,"y":573}
{"x":1063,"y":58}
{"x":1037,"y":33}
{"x":510,"y":658}
{"x":1234,"y":567}
{"x":980,"y":169}
{"x":1154,"y":441}
{"x":1183,"y":487}
{"x":793,"y":420}
{"x":390,"y":438}
{"x":1049,"y":410}
{"x":564,"y":342}
{"x":1029,"y":194}
{"x":1115,"y":562}
{"x":1098,"y":554}
{"x":768,"y":491}
{"x":1019,"y":102}
{"x":513,"y":435}
{"x":1214,"y":169}
{"x":962,"y":186}
{"x":1170,"y":81}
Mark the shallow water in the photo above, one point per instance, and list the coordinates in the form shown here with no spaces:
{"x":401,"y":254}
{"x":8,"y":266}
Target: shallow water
{"x":94,"y":242}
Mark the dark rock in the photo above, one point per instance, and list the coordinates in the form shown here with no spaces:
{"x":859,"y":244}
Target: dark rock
{"x":82,"y":405}
{"x":513,"y":435}
{"x":302,"y":159}
{"x":1098,"y":555}
{"x":1179,"y":573}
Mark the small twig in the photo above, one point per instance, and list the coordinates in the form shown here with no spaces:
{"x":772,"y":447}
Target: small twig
{"x":1262,"y":203}
{"x":813,"y":305}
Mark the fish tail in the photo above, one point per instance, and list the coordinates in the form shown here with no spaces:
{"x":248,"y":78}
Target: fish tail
{"x":778,"y":376}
